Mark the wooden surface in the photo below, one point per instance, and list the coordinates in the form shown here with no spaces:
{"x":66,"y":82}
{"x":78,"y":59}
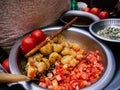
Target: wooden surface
{"x":18,"y":17}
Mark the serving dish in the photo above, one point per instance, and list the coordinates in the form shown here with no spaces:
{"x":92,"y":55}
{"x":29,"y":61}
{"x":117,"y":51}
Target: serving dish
{"x":85,"y":40}
{"x":84,"y":18}
{"x":102,"y":25}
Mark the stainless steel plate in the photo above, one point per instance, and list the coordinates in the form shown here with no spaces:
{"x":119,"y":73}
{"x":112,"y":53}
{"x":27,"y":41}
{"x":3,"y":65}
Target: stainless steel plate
{"x":99,"y":25}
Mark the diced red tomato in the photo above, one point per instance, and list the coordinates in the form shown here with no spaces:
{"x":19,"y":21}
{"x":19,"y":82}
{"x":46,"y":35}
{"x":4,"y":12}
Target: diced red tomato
{"x":31,"y":63}
{"x":32,"y":74}
{"x":43,"y":85}
{"x":58,"y":77}
{"x":84,"y":74}
{"x":42,"y":79}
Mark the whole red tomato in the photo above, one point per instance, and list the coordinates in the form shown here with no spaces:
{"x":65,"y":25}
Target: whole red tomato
{"x":5,"y":64}
{"x":28,"y":43}
{"x":87,"y":9}
{"x":103,"y":15}
{"x":38,"y":35}
{"x":95,"y":10}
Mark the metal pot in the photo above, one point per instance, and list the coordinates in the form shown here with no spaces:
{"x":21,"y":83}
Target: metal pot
{"x":85,"y":40}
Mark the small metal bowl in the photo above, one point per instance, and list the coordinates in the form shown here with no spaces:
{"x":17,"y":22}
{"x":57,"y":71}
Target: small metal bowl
{"x":84,"y":18}
{"x":100,"y":25}
{"x":86,"y":42}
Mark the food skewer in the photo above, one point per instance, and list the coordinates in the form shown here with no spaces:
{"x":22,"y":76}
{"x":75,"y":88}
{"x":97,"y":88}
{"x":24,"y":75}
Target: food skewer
{"x":50,"y":38}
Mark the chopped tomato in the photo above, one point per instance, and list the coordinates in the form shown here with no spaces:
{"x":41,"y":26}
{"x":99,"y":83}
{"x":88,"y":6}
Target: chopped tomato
{"x":32,"y":74}
{"x":42,"y":79}
{"x":84,"y":74}
{"x":31,"y":63}
{"x":58,"y":77}
{"x":42,"y":84}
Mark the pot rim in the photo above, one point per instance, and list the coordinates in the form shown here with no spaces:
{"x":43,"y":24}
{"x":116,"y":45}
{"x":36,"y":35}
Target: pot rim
{"x":101,"y":83}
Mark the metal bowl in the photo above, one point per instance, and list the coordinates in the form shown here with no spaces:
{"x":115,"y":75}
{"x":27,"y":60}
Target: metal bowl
{"x":85,"y":40}
{"x":100,"y":25}
{"x":84,"y":18}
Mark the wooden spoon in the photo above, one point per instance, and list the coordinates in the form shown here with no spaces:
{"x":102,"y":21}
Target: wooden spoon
{"x":50,"y":37}
{"x":11,"y":78}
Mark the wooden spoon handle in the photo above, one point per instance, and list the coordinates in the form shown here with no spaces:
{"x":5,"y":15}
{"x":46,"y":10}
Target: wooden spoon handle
{"x":50,"y":37}
{"x":10,"y":78}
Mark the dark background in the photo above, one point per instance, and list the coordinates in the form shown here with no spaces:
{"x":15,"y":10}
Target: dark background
{"x":101,"y":3}
{"x":112,"y":6}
